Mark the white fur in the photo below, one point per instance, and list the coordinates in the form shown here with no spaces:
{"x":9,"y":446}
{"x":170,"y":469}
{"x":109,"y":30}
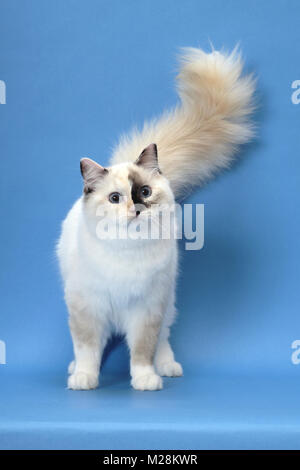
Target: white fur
{"x":128,"y":286}
{"x":118,"y":289}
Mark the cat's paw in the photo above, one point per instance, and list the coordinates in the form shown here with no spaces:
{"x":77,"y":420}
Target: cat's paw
{"x":169,"y":369}
{"x":71,"y":367}
{"x":82,"y":381}
{"x":147,"y":382}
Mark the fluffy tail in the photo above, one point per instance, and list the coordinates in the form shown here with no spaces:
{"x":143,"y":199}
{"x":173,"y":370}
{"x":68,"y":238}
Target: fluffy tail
{"x":201,"y":135}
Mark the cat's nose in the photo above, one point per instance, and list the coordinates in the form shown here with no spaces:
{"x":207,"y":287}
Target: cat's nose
{"x":132,"y":210}
{"x":137,"y":213}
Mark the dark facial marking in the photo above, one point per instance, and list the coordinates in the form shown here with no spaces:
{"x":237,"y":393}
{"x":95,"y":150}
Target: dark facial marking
{"x":136,"y":185}
{"x":136,"y":195}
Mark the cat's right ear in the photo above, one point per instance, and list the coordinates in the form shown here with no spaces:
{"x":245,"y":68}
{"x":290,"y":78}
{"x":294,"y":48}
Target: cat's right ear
{"x":91,"y":172}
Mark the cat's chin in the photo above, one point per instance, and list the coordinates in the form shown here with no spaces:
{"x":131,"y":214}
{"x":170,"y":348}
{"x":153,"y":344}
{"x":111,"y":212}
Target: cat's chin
{"x":133,"y":219}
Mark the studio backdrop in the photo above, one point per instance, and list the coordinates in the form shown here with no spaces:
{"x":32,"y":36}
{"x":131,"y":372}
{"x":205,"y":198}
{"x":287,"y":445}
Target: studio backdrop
{"x":74,"y":76}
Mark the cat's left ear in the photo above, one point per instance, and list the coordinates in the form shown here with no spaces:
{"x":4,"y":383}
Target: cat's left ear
{"x":148,"y":158}
{"x":91,"y":172}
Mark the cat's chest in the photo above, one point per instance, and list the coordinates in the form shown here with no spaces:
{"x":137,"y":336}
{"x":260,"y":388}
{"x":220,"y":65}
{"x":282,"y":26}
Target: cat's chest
{"x":124,"y":270}
{"x":123,"y":280}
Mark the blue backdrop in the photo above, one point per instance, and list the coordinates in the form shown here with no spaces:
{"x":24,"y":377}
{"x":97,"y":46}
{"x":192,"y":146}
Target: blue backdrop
{"x":77,"y":75}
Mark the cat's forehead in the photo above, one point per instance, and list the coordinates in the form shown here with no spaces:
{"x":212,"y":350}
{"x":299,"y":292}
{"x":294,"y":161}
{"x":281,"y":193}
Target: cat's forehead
{"x":129,"y":173}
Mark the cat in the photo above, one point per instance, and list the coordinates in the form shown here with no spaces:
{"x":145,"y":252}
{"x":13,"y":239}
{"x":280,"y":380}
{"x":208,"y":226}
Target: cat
{"x":127,"y":286}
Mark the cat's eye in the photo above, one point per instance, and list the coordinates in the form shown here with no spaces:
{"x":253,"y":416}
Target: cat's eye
{"x":145,"y":191}
{"x":114,"y":198}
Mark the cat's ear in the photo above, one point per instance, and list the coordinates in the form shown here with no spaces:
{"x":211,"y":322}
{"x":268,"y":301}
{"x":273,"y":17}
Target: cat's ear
{"x":148,"y":158}
{"x":91,"y":172}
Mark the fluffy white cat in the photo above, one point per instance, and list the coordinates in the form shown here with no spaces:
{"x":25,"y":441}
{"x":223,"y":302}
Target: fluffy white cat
{"x":128,"y":285}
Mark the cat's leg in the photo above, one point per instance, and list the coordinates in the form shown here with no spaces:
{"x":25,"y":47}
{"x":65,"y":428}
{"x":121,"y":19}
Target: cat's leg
{"x":71,"y":367}
{"x":164,"y":360}
{"x":142,"y":337}
{"x":165,"y":363}
{"x":89,"y":338}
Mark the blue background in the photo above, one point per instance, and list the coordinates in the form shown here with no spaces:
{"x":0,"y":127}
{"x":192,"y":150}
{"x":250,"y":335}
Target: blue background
{"x":77,"y":75}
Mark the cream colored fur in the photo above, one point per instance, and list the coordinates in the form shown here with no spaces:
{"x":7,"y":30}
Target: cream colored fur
{"x":201,"y":135}
{"x":128,"y":286}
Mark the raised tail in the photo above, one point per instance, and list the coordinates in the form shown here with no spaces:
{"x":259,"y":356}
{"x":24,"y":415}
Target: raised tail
{"x":201,"y":135}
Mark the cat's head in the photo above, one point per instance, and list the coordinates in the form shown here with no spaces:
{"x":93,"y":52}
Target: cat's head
{"x":127,"y":193}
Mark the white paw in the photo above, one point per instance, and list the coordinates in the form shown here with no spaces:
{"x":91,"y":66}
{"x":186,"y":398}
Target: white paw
{"x":82,"y":381}
{"x":147,"y":382}
{"x":169,"y":369}
{"x":71,"y":367}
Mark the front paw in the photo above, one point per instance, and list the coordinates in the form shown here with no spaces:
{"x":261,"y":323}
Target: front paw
{"x":169,"y":369}
{"x":147,"y":382}
{"x":82,"y":381}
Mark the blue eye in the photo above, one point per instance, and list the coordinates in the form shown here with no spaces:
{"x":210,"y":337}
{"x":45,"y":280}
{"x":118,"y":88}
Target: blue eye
{"x":114,"y":198}
{"x":145,"y":191}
